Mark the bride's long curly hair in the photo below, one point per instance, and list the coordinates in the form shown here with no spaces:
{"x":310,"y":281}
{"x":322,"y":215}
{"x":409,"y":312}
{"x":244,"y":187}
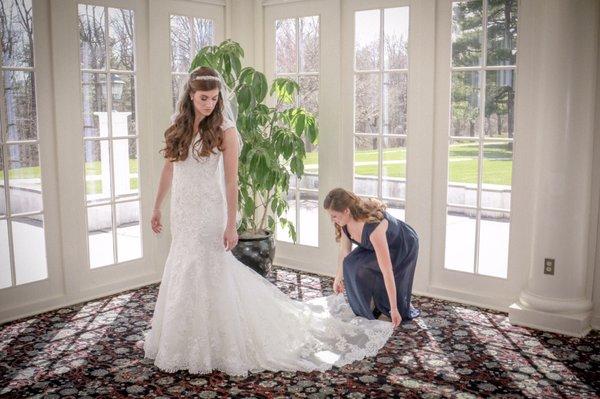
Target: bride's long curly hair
{"x":180,"y":133}
{"x":369,"y":210}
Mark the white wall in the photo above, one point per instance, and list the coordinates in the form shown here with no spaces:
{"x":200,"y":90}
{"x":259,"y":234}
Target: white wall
{"x":245,"y":24}
{"x":595,"y":228}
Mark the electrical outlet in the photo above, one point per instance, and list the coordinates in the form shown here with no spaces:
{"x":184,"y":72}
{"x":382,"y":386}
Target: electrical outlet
{"x":549,"y":266}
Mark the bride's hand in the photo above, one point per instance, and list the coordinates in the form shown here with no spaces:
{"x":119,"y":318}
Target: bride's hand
{"x":396,"y":318}
{"x":230,"y":238}
{"x":155,"y":221}
{"x":338,"y":285}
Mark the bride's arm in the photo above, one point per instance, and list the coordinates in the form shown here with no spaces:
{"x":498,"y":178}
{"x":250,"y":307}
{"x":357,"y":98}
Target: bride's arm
{"x":230,"y":164}
{"x":164,"y":184}
{"x":166,"y":177}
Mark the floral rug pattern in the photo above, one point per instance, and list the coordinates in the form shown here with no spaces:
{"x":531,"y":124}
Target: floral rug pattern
{"x":95,"y":349}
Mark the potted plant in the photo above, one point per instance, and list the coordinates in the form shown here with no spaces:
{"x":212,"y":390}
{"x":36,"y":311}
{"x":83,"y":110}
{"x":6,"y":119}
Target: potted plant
{"x":273,"y":148}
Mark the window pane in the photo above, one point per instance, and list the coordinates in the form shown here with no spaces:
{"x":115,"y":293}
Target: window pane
{"x":497,"y":175}
{"x":94,"y":104}
{"x":366,"y":165}
{"x":460,"y":239}
{"x":493,"y":244}
{"x":309,"y":93}
{"x":24,"y":178}
{"x":120,"y":33}
{"x":396,"y":209}
{"x":16,"y":22}
{"x":177,"y":81}
{"x":394,"y":103}
{"x":19,"y":96}
{"x":204,"y":33}
{"x":100,"y":236}
{"x":123,"y":105}
{"x":181,"y":45}
{"x":395,"y":45}
{"x":283,"y":234}
{"x":366,"y":40}
{"x":309,"y":44}
{"x":309,"y":99}
{"x":30,"y":248}
{"x":126,"y":166}
{"x":97,"y":170}
{"x":5,"y":273}
{"x":500,"y":104}
{"x":367,"y":111}
{"x":286,"y":49}
{"x":129,"y":244}
{"x":393,"y":184}
{"x":463,"y":169}
{"x":465,"y":104}
{"x":502,"y":32}
{"x":92,"y":36}
{"x":188,"y":36}
{"x":467,"y":33}
{"x":309,"y":218}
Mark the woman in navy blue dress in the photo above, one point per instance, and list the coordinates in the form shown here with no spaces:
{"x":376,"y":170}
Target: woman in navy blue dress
{"x":378,"y":274}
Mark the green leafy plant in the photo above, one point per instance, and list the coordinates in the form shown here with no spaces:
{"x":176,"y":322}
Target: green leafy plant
{"x":273,"y":138}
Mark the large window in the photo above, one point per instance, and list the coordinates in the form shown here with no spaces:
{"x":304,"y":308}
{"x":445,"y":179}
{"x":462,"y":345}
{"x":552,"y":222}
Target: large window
{"x":22,"y":242}
{"x":480,"y":147}
{"x":188,"y":36}
{"x":297,"y":57}
{"x":110,"y":134}
{"x":380,"y":105}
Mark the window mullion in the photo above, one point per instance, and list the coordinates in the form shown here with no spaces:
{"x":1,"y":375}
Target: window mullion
{"x":6,"y":162}
{"x":109,"y":138}
{"x":482,"y":100}
{"x":298,"y":179}
{"x":11,"y":252}
{"x":381,"y":76}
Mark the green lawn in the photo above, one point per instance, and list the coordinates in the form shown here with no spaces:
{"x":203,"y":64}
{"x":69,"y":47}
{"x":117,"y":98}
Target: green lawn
{"x":497,"y":165}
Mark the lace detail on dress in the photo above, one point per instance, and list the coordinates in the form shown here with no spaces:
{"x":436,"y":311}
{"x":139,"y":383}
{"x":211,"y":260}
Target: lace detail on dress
{"x":214,"y":313}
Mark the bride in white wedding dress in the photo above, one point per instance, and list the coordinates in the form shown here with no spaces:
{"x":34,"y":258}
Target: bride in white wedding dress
{"x":213,"y":312}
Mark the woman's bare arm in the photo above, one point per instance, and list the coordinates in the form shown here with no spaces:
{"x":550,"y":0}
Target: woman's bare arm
{"x":166,"y":177}
{"x":382,"y":251}
{"x":345,"y":247}
{"x":230,"y":164}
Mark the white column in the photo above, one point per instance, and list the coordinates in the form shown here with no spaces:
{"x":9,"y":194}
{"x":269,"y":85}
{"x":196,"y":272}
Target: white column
{"x":104,"y":152}
{"x":121,"y":153}
{"x":557,"y":55}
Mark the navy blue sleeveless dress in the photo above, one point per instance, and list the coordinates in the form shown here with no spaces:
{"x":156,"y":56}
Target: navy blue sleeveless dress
{"x":363,"y":278}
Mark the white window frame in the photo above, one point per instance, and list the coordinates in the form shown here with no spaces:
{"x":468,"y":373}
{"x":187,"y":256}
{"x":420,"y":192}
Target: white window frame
{"x":381,"y":71}
{"x":296,"y":76}
{"x":480,"y":137}
{"x":113,"y":200}
{"x":321,"y":259}
{"x":493,"y":291}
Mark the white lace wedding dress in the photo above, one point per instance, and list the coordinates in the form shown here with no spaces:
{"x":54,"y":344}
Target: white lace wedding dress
{"x":215,"y":313}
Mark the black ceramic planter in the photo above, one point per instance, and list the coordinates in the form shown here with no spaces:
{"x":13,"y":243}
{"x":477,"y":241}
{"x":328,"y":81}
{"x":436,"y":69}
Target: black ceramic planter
{"x":257,"y":253}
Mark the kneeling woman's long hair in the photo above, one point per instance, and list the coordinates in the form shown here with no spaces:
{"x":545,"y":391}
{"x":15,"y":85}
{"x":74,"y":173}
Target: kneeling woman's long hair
{"x":369,"y":210}
{"x":178,"y":136}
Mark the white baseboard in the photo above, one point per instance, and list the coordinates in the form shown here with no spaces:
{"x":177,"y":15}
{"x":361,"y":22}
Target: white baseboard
{"x":446,"y":294}
{"x":309,"y":267}
{"x":574,"y":325}
{"x":596,"y":322}
{"x":61,"y":301}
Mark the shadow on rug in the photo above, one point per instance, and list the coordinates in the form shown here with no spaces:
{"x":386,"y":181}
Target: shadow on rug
{"x":95,"y":349}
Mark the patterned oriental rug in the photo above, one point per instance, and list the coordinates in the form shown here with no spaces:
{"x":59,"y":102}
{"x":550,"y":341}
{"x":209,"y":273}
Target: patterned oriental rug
{"x":95,"y":349}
